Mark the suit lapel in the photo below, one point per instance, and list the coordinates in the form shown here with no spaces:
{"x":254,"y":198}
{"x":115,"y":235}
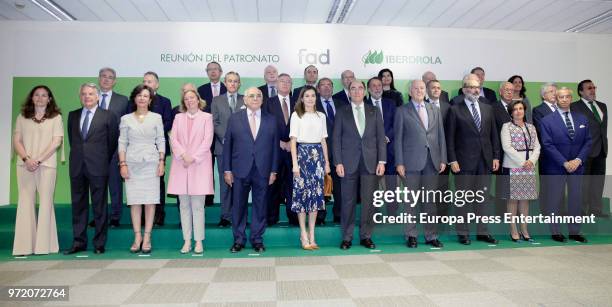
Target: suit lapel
{"x":561,"y":122}
{"x":430,"y":115}
{"x":468,"y":114}
{"x":92,"y":125}
{"x":413,"y":112}
{"x":245,"y":124}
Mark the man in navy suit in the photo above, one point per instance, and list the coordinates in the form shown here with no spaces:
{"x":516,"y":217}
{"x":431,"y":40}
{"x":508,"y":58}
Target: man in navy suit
{"x":387,"y":108}
{"x":327,"y":105}
{"x":548,"y":92}
{"x":311,"y":75}
{"x":118,"y":105}
{"x":250,"y":161}
{"x":162,"y":106}
{"x":485,"y":92}
{"x":473,"y":152}
{"x":280,"y":107}
{"x":271,"y":76}
{"x":566,"y":144}
{"x":343,"y":95}
{"x":595,"y":167}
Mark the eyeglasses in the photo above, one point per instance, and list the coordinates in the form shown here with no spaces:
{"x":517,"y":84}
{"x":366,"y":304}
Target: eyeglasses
{"x":253,"y":96}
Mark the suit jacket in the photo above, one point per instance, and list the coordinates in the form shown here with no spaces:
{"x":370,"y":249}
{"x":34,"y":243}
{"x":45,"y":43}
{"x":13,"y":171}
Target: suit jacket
{"x":444,"y":107}
{"x":163,"y":106}
{"x":396,"y":96}
{"x":341,"y":98}
{"x":273,"y":107}
{"x":412,"y":140}
{"x":264,"y":91}
{"x":205,"y":91}
{"x":464,"y":143}
{"x":241,"y":151}
{"x":538,"y":113}
{"x":558,"y":147}
{"x":97,"y":149}
{"x":489,"y":94}
{"x":349,"y":147}
{"x":388,"y":115}
{"x":599,"y":131}
{"x":330,"y":127}
{"x":118,"y":105}
{"x":221,"y":113}
{"x":501,"y":115}
{"x":197,"y":179}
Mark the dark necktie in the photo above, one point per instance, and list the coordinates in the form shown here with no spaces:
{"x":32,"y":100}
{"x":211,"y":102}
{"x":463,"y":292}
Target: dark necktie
{"x":476,"y":116}
{"x":285,"y":110}
{"x":85,"y":126}
{"x":272,"y":91}
{"x":233,"y":103}
{"x":570,"y":127}
{"x":594,"y":109}
{"x":103,"y":102}
{"x":330,"y":111}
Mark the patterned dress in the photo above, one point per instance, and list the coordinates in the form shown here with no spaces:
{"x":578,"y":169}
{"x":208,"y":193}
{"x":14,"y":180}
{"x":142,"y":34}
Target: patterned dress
{"x":522,"y":181}
{"x":308,"y":188}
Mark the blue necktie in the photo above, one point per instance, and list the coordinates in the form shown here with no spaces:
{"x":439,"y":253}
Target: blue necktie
{"x":330,"y":111}
{"x":570,"y":127}
{"x":476,"y":116}
{"x":103,"y":102}
{"x":85,"y":127}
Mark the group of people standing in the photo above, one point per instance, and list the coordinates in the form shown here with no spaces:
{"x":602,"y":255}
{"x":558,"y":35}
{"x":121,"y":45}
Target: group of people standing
{"x":283,"y":146}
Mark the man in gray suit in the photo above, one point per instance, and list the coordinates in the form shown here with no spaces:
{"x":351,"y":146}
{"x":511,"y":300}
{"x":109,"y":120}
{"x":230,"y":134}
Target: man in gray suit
{"x":360,"y":154}
{"x":420,"y":155}
{"x":222,"y":107}
{"x":118,"y":105}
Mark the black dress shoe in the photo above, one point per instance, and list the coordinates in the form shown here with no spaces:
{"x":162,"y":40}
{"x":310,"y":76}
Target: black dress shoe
{"x":345,"y":245}
{"x":236,"y":248}
{"x":435,"y":243}
{"x":367,"y":243}
{"x":99,"y":250}
{"x":412,"y":242}
{"x":487,"y":238}
{"x":465,"y":240}
{"x":224,"y":223}
{"x":114,"y":223}
{"x":259,"y":248}
{"x":578,"y":238}
{"x":336,"y":219}
{"x":92,"y":224}
{"x":320,"y":223}
{"x":74,"y":250}
{"x":559,"y":238}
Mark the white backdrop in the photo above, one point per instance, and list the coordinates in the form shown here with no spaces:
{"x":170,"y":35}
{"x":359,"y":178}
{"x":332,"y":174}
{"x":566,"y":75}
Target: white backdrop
{"x":182,"y":49}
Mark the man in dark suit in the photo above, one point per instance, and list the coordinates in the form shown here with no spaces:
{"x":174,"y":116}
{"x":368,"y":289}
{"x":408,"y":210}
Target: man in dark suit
{"x":223,"y":106}
{"x":250,"y":161}
{"x":281,"y":108}
{"x":500,"y":110}
{"x":208,"y":92}
{"x":327,"y":105}
{"x":430,"y":76}
{"x":271,"y":76}
{"x":473,"y":150}
{"x":360,"y":154}
{"x":548,"y":92}
{"x":485,"y":92}
{"x":92,"y":134}
{"x":420,"y":150}
{"x":387,"y":108}
{"x":343,"y":95}
{"x":118,"y":105}
{"x":566,"y":144}
{"x":311,"y":75}
{"x":596,"y":113}
{"x":434,"y":92}
{"x":162,"y":106}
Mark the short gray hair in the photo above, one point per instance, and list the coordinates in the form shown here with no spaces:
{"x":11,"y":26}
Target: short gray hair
{"x":545,"y":86}
{"x":103,"y":69}
{"x":90,"y":85}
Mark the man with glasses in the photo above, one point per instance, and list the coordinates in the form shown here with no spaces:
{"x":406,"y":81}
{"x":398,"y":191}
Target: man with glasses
{"x":250,"y":161}
{"x":595,"y":167}
{"x":360,"y":154}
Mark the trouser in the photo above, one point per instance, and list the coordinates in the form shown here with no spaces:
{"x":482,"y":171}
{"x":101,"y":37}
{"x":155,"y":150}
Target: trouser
{"x":241,"y":188}
{"x":192,"y":216}
{"x":81,"y":186}
{"x":594,"y":179}
{"x":225,"y":192}
{"x":363,"y":183}
{"x":415,"y":180}
{"x":474,"y":180}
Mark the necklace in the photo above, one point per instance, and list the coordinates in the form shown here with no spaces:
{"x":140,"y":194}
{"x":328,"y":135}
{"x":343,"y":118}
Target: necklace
{"x":38,"y":121}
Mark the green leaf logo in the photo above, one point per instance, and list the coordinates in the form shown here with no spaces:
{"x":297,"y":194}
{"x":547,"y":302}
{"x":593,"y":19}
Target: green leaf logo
{"x":372,"y":57}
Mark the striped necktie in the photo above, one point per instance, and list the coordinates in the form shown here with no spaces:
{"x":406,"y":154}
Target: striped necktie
{"x":475,"y":116}
{"x":570,"y":127}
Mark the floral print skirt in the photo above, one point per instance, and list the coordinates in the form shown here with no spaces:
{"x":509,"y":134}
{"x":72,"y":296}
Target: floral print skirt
{"x":308,"y":188}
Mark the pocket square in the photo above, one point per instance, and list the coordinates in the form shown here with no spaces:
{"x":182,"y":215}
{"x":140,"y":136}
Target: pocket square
{"x":582,"y":126}
{"x":243,"y":107}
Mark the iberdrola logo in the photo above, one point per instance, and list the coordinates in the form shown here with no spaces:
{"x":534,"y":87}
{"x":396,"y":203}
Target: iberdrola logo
{"x":372,"y":57}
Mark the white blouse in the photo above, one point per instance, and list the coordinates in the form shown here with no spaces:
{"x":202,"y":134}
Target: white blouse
{"x":310,"y":128}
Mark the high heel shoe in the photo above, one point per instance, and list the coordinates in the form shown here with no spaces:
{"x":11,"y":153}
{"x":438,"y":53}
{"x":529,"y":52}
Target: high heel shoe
{"x":186,"y":250}
{"x":314,"y":246}
{"x":528,"y":239}
{"x":515,"y":240}
{"x":305,"y":244}
{"x":146,"y":249}
{"x":136,"y":247}
{"x":199,"y":248}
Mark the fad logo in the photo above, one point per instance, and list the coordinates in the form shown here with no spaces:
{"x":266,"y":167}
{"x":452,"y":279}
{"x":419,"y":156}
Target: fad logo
{"x":308,"y":57}
{"x":372,"y":57}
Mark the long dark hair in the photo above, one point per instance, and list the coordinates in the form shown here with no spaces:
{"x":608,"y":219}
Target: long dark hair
{"x":28,"y":110}
{"x":523,"y":89}
{"x":380,"y":75}
{"x":137,"y":90}
{"x":300,"y":107}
